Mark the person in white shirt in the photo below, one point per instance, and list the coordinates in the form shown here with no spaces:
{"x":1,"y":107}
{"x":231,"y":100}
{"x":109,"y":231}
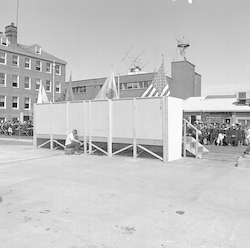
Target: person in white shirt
{"x":73,"y":142}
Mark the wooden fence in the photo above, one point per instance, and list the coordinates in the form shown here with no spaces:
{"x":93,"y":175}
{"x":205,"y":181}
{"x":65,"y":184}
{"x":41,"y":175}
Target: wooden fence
{"x":137,"y":124}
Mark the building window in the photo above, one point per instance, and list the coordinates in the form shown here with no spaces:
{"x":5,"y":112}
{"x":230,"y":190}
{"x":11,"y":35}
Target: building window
{"x":125,"y":86}
{"x":48,"y":85}
{"x":38,"y":65}
{"x":146,"y":84}
{"x":27,"y":63}
{"x":58,"y":87}
{"x":141,"y":85}
{"x":38,"y":82}
{"x":27,"y":81}
{"x":15,"y":102}
{"x":79,"y":89}
{"x":48,"y":67}
{"x":2,"y":101}
{"x":4,"y":41}
{"x":130,"y":86}
{"x":15,"y":60}
{"x":2,"y":79}
{"x":38,"y":50}
{"x":3,"y":58}
{"x":26,"y":103}
{"x":58,"y":69}
{"x":15,"y":81}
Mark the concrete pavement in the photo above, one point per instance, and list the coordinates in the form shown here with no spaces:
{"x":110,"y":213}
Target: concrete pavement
{"x":48,"y":199}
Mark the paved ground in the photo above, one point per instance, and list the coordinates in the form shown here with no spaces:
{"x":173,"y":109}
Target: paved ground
{"x":48,"y":199}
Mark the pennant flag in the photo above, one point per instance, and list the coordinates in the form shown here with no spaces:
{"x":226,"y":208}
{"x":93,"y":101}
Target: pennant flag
{"x":108,"y":90}
{"x":68,"y":91}
{"x":42,"y":96}
{"x":159,"y":85}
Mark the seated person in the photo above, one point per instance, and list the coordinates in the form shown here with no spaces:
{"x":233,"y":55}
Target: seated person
{"x":73,"y":142}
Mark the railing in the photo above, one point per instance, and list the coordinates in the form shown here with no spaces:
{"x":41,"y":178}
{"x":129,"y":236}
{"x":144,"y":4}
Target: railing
{"x":185,"y":136}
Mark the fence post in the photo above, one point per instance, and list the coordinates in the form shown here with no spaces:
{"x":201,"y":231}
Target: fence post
{"x":68,"y":118}
{"x":85,"y":126}
{"x":110,"y":128}
{"x":90,"y":138}
{"x":51,"y":128}
{"x":134,"y":130}
{"x":34,"y":127}
{"x":184,"y":138}
{"x":165,"y":129}
{"x":196,"y":144}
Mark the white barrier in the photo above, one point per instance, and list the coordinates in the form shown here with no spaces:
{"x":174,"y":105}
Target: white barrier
{"x":138,"y":123}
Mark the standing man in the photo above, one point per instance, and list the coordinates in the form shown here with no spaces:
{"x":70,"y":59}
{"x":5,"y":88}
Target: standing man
{"x":73,"y":142}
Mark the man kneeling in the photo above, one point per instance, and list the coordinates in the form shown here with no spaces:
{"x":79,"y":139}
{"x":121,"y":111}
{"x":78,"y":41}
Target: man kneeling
{"x":73,"y":142}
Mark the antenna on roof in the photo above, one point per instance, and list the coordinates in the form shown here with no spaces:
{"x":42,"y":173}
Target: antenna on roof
{"x":136,"y":58}
{"x":127,"y":52}
{"x":145,"y":64}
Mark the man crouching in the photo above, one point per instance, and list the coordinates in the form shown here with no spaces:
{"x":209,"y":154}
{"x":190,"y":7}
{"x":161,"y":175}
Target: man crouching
{"x":73,"y":142}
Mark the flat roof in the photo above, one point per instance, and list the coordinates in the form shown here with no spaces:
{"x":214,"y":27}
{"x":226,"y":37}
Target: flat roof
{"x":225,"y":103}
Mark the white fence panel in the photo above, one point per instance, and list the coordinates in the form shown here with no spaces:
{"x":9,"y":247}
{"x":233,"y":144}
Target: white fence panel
{"x":122,"y":118}
{"x":59,"y":118}
{"x":149,"y":118}
{"x":99,"y":118}
{"x":43,"y":118}
{"x":76,"y":117}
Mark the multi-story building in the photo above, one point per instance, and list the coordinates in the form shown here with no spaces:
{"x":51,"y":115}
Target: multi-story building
{"x":183,"y":83}
{"x":22,"y":70}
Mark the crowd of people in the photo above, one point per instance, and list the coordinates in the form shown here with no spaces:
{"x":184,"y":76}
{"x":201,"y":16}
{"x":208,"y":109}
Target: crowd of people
{"x":221,"y":134}
{"x":16,"y":128}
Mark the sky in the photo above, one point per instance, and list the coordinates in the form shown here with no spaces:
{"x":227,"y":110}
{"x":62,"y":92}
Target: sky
{"x":94,"y":35}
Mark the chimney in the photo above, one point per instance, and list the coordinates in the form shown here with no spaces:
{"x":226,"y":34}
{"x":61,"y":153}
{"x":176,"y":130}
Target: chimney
{"x":11,"y":33}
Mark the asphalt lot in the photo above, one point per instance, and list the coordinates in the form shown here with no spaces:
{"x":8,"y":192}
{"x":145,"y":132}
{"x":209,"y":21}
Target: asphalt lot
{"x":48,"y":199}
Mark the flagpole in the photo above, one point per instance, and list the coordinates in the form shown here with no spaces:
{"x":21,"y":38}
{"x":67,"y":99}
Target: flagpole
{"x":53,"y":81}
{"x":118,"y":85}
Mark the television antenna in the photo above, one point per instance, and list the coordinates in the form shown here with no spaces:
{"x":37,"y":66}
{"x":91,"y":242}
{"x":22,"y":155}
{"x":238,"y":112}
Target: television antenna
{"x":136,"y":60}
{"x":145,"y":64}
{"x":127,"y":52}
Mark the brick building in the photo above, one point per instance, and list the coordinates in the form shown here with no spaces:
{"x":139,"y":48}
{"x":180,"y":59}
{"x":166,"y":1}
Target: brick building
{"x":183,"y":83}
{"x":22,"y":70}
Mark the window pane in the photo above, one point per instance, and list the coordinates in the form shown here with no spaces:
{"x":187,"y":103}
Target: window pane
{"x":14,"y":102}
{"x":58,"y":69}
{"x":135,"y":85}
{"x":15,"y":60}
{"x":4,"y":41}
{"x":130,"y":86}
{"x":146,"y":84}
{"x":48,"y":67}
{"x":2,"y":79}
{"x":38,"y":65}
{"x":27,"y":82}
{"x":2,"y":101}
{"x":27,"y":63}
{"x":38,"y":82}
{"x":14,"y":81}
{"x":26,"y":103}
{"x":2,"y":57}
{"x":48,"y":85}
{"x":58,"y":87}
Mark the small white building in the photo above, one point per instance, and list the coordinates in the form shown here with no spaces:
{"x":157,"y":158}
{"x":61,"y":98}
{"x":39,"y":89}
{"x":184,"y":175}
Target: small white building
{"x":218,"y":108}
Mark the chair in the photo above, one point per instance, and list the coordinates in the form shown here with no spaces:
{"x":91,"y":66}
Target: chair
{"x":25,"y":131}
